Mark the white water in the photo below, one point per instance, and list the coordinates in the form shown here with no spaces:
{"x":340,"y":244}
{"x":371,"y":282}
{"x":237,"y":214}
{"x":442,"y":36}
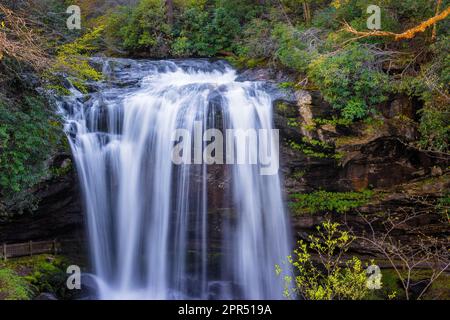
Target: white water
{"x":156,"y":230}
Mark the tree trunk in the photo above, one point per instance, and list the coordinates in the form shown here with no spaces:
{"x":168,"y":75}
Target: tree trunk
{"x":306,"y":12}
{"x":169,"y":12}
{"x":438,"y":8}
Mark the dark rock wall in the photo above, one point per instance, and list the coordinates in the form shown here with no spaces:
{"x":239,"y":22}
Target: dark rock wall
{"x":58,"y":214}
{"x":380,"y":156}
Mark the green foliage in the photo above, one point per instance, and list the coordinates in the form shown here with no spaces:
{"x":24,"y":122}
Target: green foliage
{"x":72,"y":60}
{"x":326,"y":19}
{"x":413,"y":10}
{"x":318,"y":201}
{"x":28,"y":135}
{"x":12,"y":286}
{"x":430,"y":86}
{"x":242,"y":10}
{"x":225,"y":28}
{"x":195,"y":28}
{"x":257,"y":40}
{"x":292,"y":49}
{"x":333,"y":121}
{"x":350,"y":82}
{"x":203,"y":33}
{"x":200,"y":28}
{"x":292,"y":122}
{"x":313,"y":148}
{"x":41,"y":273}
{"x":143,"y":28}
{"x":48,"y":275}
{"x":435,"y":128}
{"x":331,"y":277}
{"x":181,"y":47}
{"x":443,"y":206}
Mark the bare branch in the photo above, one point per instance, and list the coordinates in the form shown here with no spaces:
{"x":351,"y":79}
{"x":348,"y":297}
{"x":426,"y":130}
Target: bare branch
{"x":19,"y":41}
{"x":408,"y":34}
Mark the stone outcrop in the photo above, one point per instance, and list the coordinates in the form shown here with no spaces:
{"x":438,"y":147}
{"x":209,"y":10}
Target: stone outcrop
{"x":378,"y":155}
{"x":59,"y":210}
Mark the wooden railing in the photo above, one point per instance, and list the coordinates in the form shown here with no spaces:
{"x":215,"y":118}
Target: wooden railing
{"x":28,"y":249}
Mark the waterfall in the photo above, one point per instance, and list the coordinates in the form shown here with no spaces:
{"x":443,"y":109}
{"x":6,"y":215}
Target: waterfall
{"x":160,"y":230}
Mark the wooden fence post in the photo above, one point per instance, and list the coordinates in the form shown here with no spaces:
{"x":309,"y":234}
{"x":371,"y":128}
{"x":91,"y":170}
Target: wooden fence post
{"x":54,"y":247}
{"x":31,"y":248}
{"x":4,"y":251}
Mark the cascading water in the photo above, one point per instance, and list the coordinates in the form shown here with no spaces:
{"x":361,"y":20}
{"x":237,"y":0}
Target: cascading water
{"x":158,"y":230}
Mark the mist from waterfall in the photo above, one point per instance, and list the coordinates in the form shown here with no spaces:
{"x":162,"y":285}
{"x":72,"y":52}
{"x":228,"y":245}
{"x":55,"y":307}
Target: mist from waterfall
{"x":163,"y":231}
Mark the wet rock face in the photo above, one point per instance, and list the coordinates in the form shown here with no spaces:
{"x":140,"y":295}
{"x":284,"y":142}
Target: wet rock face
{"x":399,"y":105}
{"x":302,"y":174}
{"x":58,"y":214}
{"x":379,"y":157}
{"x":384,"y":163}
{"x":412,"y":202}
{"x":266,"y":74}
{"x":46,"y":296}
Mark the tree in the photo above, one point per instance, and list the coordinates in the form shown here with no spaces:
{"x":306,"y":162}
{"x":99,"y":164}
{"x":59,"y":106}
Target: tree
{"x":306,"y":11}
{"x":321,"y":272}
{"x":169,"y":12}
{"x":407,"y":259}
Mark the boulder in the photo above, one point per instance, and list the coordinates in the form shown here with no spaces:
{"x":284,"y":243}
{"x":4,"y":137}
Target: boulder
{"x":385,"y":162}
{"x":46,"y":296}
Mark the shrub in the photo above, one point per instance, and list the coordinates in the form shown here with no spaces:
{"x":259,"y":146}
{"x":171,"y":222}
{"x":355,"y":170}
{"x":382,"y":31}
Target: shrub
{"x":292,"y":51}
{"x":434,"y":128}
{"x":205,"y":34}
{"x":340,"y":202}
{"x":12,"y":286}
{"x":257,"y":41}
{"x":332,"y":277}
{"x":195,"y":31}
{"x":241,"y":10}
{"x":226,"y":28}
{"x":430,"y":86}
{"x":350,"y":81}
{"x":28,"y":135}
{"x":48,"y":275}
{"x":72,"y":60}
{"x":143,"y":28}
{"x":39,"y":274}
{"x":326,"y":19}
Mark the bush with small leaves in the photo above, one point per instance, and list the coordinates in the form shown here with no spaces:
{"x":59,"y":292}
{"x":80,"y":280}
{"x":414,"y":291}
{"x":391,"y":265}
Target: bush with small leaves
{"x":318,"y":270}
{"x":350,"y":81}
